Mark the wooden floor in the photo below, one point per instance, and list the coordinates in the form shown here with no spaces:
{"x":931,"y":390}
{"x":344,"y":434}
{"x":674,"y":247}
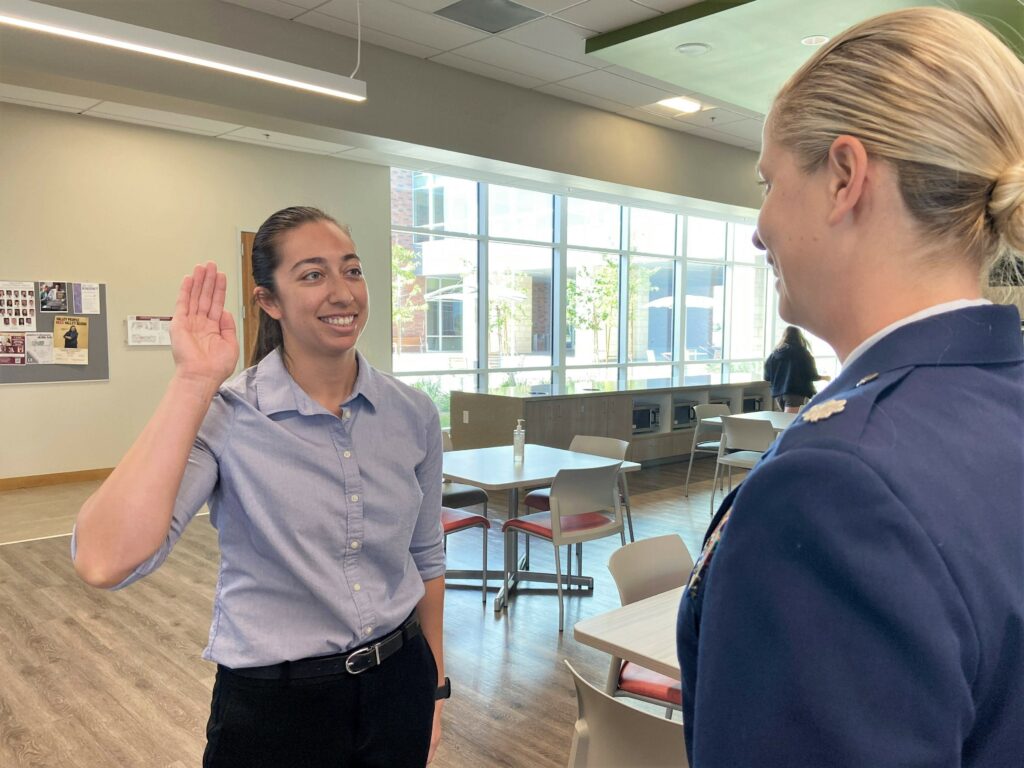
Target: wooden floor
{"x":102,"y":680}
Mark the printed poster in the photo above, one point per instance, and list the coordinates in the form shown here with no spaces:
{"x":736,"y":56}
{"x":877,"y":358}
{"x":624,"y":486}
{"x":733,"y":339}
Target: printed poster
{"x":71,"y":340}
{"x":53,"y":296}
{"x":85,"y":298}
{"x":39,"y":348}
{"x":149,"y":330}
{"x":12,"y":348}
{"x":17,"y":306}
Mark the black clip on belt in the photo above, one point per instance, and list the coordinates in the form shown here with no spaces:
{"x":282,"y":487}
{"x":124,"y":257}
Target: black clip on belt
{"x":353,"y":662}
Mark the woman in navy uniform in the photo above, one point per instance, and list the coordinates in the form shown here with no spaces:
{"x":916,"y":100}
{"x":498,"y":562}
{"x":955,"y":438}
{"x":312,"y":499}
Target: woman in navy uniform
{"x":859,"y":600}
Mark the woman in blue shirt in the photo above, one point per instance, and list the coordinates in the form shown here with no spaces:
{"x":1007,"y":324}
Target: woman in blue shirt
{"x":323,"y":478}
{"x":859,"y":600}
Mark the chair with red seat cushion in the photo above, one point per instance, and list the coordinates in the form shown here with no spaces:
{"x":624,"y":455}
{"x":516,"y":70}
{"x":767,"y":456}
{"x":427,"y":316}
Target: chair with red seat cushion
{"x":584,"y":506}
{"x":454,"y":520}
{"x":642,"y":569}
{"x":610,"y":448}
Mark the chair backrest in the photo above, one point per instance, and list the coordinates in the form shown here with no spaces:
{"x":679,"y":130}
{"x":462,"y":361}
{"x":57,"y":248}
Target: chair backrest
{"x":446,"y":442}
{"x":708,"y":410}
{"x":596,"y":489}
{"x":650,"y":566}
{"x":609,"y":447}
{"x":740,"y":434}
{"x":612,"y":734}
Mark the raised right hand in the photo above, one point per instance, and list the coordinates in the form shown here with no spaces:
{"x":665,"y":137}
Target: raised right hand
{"x":203,"y":338}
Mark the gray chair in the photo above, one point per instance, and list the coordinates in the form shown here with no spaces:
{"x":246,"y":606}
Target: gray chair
{"x":642,"y":569}
{"x":706,"y":437}
{"x":460,"y":495}
{"x":610,"y":448}
{"x":611,"y":734}
{"x":743,"y":443}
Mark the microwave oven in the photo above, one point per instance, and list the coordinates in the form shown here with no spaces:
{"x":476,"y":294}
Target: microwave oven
{"x":646,"y":417}
{"x":683,"y":414}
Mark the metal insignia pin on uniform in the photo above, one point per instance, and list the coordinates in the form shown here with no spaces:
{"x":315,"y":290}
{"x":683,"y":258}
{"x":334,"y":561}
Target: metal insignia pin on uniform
{"x":824,"y":410}
{"x":866,"y":379}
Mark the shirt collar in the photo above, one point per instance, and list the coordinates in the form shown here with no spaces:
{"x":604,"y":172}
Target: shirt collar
{"x":937,"y":309}
{"x":277,"y":391}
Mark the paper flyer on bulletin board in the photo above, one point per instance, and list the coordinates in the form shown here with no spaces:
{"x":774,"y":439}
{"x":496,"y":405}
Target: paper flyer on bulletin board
{"x":71,"y":340}
{"x":17,"y":306}
{"x":149,"y":330}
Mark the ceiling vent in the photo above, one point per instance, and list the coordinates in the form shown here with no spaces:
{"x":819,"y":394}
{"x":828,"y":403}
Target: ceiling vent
{"x":489,"y":15}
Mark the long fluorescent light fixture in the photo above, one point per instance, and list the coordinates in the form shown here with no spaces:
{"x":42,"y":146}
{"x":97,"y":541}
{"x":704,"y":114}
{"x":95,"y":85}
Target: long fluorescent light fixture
{"x":95,"y":29}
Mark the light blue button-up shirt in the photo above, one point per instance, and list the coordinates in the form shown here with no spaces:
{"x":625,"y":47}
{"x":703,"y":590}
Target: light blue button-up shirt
{"x":327,"y":526}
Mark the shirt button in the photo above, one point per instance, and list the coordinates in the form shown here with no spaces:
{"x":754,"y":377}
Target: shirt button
{"x":346,"y":413}
{"x":347,"y":454}
{"x":367,"y":630}
{"x":355,"y":497}
{"x":357,"y":587}
{"x":355,"y":545}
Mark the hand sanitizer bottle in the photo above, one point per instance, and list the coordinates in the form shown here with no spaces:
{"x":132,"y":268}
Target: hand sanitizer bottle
{"x":518,"y":442}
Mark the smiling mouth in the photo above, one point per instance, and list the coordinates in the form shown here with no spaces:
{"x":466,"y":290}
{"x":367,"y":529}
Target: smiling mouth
{"x":339,"y":320}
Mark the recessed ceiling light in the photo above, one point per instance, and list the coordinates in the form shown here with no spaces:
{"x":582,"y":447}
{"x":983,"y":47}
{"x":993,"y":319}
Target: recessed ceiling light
{"x":815,"y":40}
{"x":680,"y":104}
{"x":693,"y":49}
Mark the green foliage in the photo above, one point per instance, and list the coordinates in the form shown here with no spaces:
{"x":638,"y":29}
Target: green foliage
{"x":592,"y":302}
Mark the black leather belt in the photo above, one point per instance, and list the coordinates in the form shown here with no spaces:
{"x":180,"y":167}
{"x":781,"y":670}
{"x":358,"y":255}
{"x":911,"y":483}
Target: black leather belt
{"x":351,"y":662}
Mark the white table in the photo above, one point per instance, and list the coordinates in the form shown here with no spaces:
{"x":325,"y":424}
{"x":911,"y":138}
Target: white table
{"x":643,"y":632}
{"x":493,"y":470}
{"x":778,"y":419}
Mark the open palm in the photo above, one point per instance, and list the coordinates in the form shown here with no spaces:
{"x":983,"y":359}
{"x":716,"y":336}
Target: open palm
{"x":203,"y":338}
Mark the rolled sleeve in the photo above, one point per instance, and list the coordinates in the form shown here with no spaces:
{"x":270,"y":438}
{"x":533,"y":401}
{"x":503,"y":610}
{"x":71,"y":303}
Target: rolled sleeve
{"x":427,"y":546}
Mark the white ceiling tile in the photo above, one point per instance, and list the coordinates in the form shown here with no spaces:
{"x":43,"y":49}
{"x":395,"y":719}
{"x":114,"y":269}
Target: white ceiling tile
{"x":32,"y":97}
{"x":284,"y":141}
{"x":377,"y":157}
{"x":664,"y":6}
{"x":650,"y":117}
{"x":749,"y":131}
{"x":273,"y":7}
{"x":157,"y":117}
{"x":372,"y":36}
{"x":549,"y":6}
{"x":427,"y":6}
{"x":608,"y":86}
{"x":709,"y":118}
{"x":528,"y":61}
{"x":554,"y":89}
{"x":307,"y":4}
{"x":639,"y":77}
{"x":403,"y":21}
{"x":606,"y":15}
{"x":487,"y":70}
{"x":556,"y":37}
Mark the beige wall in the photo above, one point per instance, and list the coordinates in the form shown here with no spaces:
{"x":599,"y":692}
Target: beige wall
{"x":83,"y":199}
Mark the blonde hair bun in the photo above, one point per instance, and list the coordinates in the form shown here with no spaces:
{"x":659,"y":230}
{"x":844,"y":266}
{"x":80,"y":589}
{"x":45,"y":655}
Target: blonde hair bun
{"x":1006,"y":207}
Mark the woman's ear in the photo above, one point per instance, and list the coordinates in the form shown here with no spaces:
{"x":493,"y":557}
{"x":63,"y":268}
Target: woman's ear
{"x":266,"y":301}
{"x":847,"y":168}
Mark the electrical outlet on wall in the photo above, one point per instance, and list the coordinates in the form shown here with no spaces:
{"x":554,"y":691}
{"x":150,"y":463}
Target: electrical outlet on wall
{"x":465,"y":417}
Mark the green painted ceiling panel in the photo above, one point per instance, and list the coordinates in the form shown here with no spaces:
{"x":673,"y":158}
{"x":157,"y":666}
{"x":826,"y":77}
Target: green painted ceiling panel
{"x":756,"y":45}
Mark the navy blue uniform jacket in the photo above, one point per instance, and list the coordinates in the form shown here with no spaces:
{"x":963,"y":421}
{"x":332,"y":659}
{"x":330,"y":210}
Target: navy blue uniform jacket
{"x":864,"y":606}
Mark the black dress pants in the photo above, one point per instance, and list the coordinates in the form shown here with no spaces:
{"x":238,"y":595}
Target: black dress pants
{"x":381,"y":718}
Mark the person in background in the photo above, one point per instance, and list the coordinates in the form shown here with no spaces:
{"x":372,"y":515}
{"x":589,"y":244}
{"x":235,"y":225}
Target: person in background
{"x":859,"y":600}
{"x":791,"y":370}
{"x":323,"y":479}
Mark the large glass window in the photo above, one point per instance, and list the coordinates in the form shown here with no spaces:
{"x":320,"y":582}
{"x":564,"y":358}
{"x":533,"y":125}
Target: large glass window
{"x":623,"y":317}
{"x":651,"y":305}
{"x":592,"y":307}
{"x":519,"y":306}
{"x":519,"y":214}
{"x":705,"y":311}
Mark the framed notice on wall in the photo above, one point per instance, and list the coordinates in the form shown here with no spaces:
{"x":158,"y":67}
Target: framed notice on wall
{"x":149,"y":331}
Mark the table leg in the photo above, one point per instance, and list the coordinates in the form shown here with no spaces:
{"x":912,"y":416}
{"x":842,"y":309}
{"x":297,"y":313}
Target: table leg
{"x":511,"y":547}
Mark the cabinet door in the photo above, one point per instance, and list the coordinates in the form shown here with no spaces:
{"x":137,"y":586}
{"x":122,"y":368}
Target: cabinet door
{"x":546,"y":423}
{"x":589,"y":416}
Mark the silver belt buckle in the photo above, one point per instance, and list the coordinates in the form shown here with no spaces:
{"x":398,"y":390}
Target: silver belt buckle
{"x":362,"y":653}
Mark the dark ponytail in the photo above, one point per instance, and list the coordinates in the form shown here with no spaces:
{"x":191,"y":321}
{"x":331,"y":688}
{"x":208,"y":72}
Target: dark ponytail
{"x":265,"y":259}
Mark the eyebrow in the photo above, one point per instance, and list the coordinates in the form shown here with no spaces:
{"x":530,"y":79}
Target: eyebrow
{"x":320,"y":261}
